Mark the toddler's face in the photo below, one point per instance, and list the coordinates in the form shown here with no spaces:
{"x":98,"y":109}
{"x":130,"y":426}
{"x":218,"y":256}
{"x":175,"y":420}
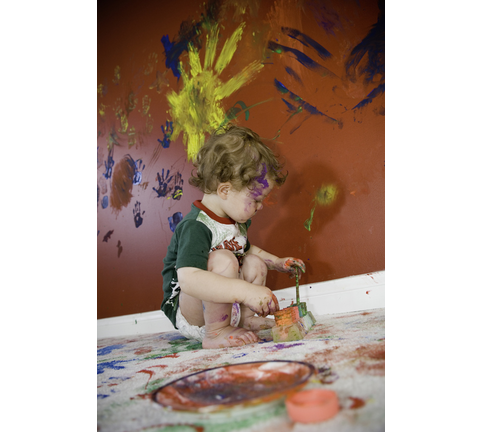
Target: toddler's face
{"x":244,"y":204}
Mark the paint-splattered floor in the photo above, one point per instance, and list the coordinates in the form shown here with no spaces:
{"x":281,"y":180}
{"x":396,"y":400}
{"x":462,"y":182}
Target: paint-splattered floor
{"x":347,"y":351}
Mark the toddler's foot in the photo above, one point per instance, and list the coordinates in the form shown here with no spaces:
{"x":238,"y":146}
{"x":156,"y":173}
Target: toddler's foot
{"x":256,"y":323}
{"x":229,"y":336}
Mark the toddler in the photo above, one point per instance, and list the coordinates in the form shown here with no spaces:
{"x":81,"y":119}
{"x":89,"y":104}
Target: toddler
{"x":213,"y":278}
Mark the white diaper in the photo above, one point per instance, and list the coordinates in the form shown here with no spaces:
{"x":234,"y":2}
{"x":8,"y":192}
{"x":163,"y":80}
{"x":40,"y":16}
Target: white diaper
{"x":187,"y":330}
{"x":197,"y":333}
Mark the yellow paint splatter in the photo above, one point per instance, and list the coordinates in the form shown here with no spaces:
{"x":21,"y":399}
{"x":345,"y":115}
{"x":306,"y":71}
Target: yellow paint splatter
{"x":324,"y":196}
{"x":102,"y":110}
{"x":146,"y":105}
{"x":117,"y":76}
{"x":132,"y":137}
{"x":196,"y":109}
{"x":121,"y":115}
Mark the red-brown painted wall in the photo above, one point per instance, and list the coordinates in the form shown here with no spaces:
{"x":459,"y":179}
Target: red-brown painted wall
{"x":329,"y":130}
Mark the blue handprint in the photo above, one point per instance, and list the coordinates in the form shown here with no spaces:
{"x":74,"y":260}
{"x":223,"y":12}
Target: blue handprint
{"x":164,"y":187}
{"x":167,"y":131}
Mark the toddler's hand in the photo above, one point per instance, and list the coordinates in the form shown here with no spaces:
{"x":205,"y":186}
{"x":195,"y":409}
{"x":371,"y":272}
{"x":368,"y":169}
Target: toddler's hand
{"x":261,"y":300}
{"x":291,"y":265}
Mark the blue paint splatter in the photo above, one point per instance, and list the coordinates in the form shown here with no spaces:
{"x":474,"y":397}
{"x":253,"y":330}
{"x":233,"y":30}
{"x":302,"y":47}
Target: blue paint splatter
{"x":109,"y":164}
{"x":174,"y":220}
{"x":293,"y":74}
{"x":108,"y":349}
{"x":102,"y":396}
{"x":291,"y":108}
{"x":375,"y":92}
{"x":302,"y":58}
{"x":239,"y":355}
{"x":115,"y":364}
{"x":306,"y":41}
{"x":304,"y":105}
{"x":367,"y":59}
{"x":105,"y":201}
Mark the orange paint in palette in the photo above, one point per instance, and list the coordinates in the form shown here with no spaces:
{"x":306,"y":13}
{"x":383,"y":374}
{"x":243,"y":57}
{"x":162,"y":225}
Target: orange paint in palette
{"x":234,"y":386}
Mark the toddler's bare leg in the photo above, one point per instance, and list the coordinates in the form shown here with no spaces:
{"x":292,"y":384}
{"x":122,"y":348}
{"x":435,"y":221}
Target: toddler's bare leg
{"x":254,"y":270}
{"x":217,"y":316}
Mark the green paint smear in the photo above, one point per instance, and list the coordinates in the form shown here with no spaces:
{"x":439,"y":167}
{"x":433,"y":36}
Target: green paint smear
{"x":179,"y":345}
{"x":240,"y":423}
{"x":309,"y":221}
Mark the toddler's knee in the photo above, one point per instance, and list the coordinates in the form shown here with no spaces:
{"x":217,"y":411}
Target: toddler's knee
{"x":255,"y":261}
{"x":255,"y":266}
{"x":223,"y":262}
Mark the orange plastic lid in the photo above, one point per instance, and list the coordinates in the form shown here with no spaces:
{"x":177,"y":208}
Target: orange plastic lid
{"x":312,"y":406}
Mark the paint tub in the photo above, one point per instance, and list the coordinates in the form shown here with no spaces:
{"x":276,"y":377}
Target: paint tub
{"x":312,"y":406}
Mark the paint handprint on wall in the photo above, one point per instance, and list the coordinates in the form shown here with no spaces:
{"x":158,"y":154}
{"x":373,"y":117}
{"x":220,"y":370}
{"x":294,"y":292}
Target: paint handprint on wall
{"x":169,"y":186}
{"x":167,"y":131}
{"x":137,"y":214}
{"x":196,"y":109}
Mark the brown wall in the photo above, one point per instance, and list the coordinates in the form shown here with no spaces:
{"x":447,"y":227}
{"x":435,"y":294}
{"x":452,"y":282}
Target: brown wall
{"x":329,"y":130}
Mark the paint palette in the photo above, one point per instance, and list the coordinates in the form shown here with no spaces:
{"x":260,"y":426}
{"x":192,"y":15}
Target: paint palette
{"x":234,"y":386}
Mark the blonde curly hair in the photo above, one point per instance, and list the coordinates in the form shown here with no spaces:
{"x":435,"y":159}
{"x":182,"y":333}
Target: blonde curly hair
{"x":235,"y":154}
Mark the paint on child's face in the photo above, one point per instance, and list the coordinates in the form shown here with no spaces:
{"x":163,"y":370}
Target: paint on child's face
{"x":261,"y":182}
{"x":243,"y":205}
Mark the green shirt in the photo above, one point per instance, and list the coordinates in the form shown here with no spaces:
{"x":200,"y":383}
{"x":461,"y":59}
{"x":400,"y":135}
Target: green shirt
{"x":198,"y":234}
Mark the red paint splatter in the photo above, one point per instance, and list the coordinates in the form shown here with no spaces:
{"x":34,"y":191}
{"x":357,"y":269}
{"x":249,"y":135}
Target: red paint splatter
{"x":175,"y":355}
{"x":356,"y":402}
{"x":368,"y":291}
{"x":150,"y":373}
{"x":143,"y":351}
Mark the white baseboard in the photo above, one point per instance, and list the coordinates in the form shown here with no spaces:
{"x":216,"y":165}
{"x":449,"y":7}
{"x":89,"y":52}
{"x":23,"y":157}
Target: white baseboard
{"x":350,"y":294}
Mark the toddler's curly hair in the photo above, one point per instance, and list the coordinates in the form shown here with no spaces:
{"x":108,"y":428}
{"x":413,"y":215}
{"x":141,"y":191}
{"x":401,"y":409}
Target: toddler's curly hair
{"x":237,"y":155}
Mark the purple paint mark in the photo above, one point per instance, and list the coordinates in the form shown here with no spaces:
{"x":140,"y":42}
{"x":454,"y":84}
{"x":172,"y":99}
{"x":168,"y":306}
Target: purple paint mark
{"x":283,"y":346}
{"x":262,"y":180}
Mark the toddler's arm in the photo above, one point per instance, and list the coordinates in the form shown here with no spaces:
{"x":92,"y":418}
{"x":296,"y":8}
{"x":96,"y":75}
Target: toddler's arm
{"x":212,"y":287}
{"x":285,"y":265}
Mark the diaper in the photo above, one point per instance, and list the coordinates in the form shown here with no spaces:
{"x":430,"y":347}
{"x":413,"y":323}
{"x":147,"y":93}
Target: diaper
{"x":188,"y":330}
{"x":197,"y":333}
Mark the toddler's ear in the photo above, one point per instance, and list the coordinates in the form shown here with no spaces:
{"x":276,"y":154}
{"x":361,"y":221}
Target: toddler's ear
{"x":223,"y":190}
